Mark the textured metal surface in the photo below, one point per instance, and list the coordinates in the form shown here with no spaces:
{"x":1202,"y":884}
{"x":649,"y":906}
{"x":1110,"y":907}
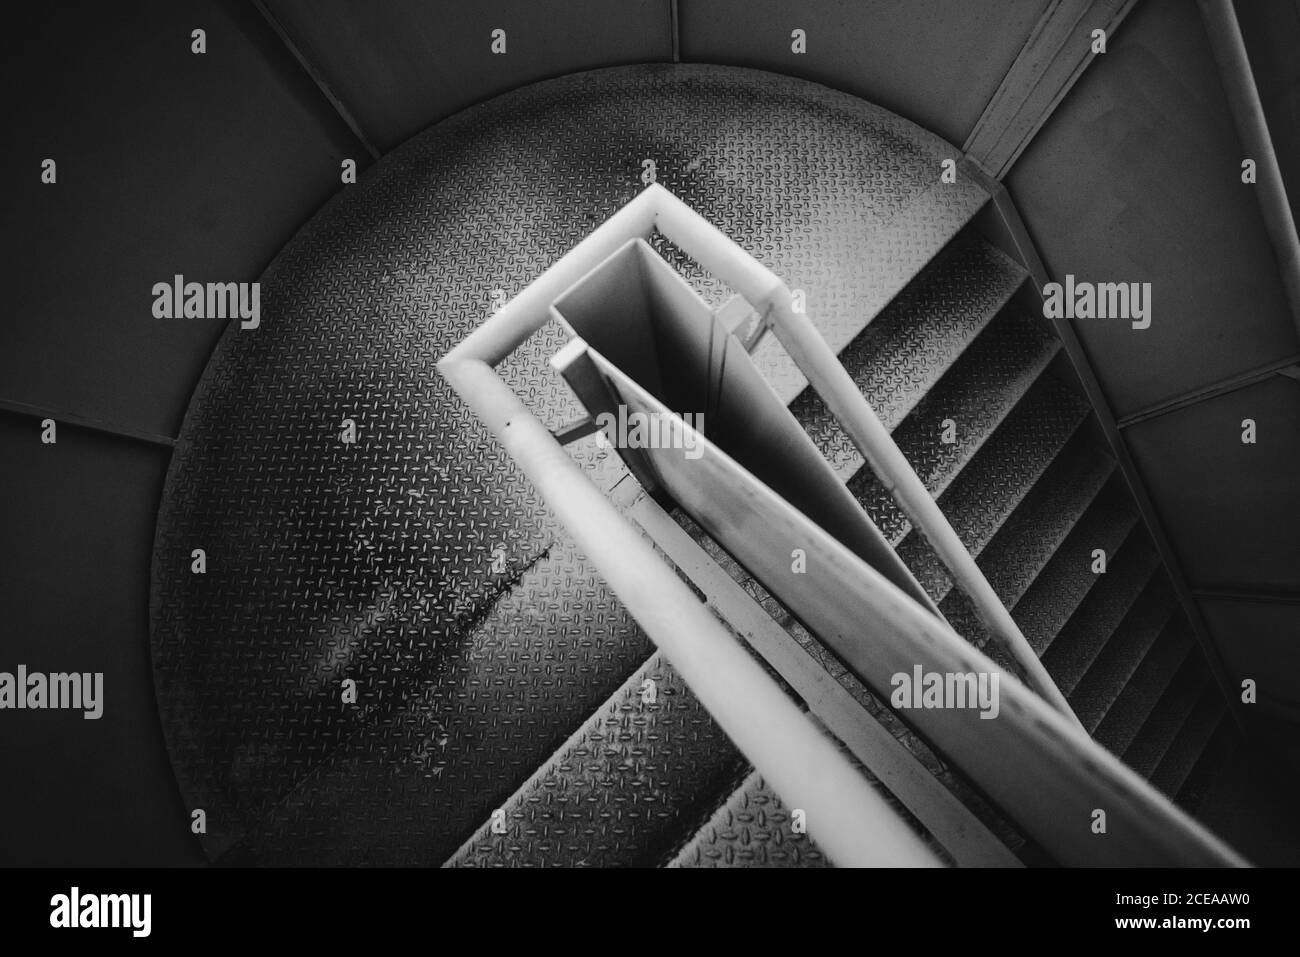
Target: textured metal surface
{"x":1000,"y":475}
{"x":890,"y":256}
{"x":644,"y":771}
{"x":1139,"y":697}
{"x":978,"y":392}
{"x":1047,"y":604}
{"x":542,"y":390}
{"x":1023,"y":546}
{"x":1213,"y":760}
{"x":1178,"y":762}
{"x":1171,"y":712}
{"x":1095,"y":620}
{"x":414,"y":780}
{"x":752,"y":829}
{"x":906,"y":349}
{"x":1106,"y":677}
{"x":378,"y":561}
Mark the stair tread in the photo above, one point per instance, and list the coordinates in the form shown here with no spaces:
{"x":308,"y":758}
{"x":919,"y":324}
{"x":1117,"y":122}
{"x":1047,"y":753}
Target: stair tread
{"x":751,"y":829}
{"x":1063,"y":583}
{"x":1177,"y":763}
{"x":1019,"y":550}
{"x":622,"y":791}
{"x":1001,"y":474}
{"x":1213,"y":760}
{"x":1124,"y":719}
{"x":1123,"y":653}
{"x":906,"y":349}
{"x":1042,"y":522}
{"x":1022,"y":549}
{"x":1161,"y":727}
{"x":1077,"y":645}
{"x":1028,"y":492}
{"x":981,"y":390}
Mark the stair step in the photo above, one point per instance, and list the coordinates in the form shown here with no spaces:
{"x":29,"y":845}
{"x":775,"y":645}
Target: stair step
{"x":1222,"y":745}
{"x":1135,"y":703}
{"x":900,"y":356}
{"x":1022,"y":548}
{"x":979,"y":392}
{"x":752,"y":829}
{"x":1177,"y":764}
{"x":986,"y":493}
{"x":1077,"y":645}
{"x":1123,"y":654}
{"x":635,"y":778}
{"x":1025,"y":543}
{"x":1052,"y":597}
{"x":1028,"y":491}
{"x":1167,"y":718}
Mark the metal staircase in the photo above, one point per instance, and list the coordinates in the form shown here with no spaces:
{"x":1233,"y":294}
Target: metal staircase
{"x":509,"y":708}
{"x":1030,"y":488}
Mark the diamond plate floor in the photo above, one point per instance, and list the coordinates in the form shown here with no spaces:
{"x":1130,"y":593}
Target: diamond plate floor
{"x":989,"y":490}
{"x":1161,"y":729}
{"x":466,"y":734}
{"x":910,"y":345}
{"x":1047,"y":604}
{"x":493,"y":670}
{"x":642,"y":773}
{"x":404,"y":561}
{"x":753,"y":829}
{"x":1078,"y":644}
{"x":1138,"y":699}
{"x":979,"y":392}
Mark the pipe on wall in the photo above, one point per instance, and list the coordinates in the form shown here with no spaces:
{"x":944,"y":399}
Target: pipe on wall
{"x":1248,"y":113}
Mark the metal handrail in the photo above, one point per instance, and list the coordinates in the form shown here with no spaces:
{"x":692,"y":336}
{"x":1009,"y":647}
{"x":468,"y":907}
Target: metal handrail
{"x":849,"y":820}
{"x":827,"y":375}
{"x":845,"y":816}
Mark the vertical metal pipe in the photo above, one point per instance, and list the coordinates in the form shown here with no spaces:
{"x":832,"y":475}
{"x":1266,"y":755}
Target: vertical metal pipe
{"x":1243,"y":98}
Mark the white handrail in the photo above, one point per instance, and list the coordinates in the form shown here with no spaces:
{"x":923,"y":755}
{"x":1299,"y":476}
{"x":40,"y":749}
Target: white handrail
{"x":851,"y":823}
{"x":849,"y":820}
{"x":827,"y":375}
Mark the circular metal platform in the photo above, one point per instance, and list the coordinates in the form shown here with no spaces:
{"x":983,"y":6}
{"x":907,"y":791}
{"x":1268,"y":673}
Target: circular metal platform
{"x":376,"y":561}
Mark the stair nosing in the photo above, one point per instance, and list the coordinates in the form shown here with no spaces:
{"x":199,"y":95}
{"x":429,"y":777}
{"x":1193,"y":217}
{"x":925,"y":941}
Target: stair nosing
{"x":1200,"y":682}
{"x":1166,"y":610}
